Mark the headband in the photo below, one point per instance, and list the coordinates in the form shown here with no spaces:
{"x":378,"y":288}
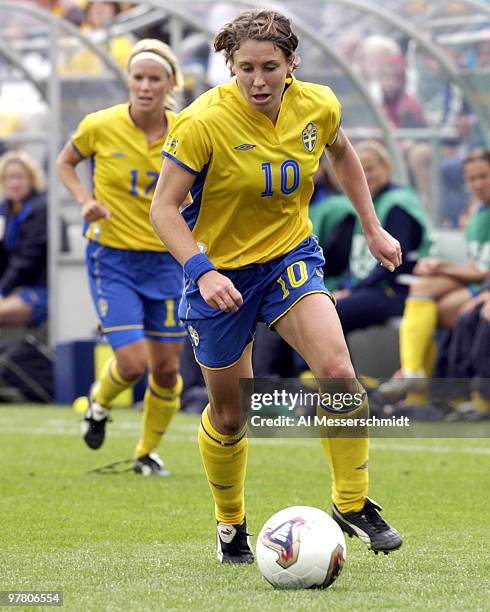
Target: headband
{"x":154,"y":57}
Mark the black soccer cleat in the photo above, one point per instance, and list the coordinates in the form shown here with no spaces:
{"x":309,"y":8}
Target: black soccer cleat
{"x":93,"y":424}
{"x":369,"y":527}
{"x":232,"y":543}
{"x":150,"y":465}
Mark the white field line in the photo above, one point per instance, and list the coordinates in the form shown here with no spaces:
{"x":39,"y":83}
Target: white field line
{"x":181,"y":432}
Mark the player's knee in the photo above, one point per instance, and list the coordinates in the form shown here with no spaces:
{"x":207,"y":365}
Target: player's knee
{"x":422,"y":287}
{"x":228,"y":418}
{"x":336,"y":369}
{"x":165,"y":374}
{"x":131,"y":368}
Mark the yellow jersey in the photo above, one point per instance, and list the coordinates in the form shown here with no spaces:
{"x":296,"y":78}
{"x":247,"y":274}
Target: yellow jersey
{"x":125,"y":170}
{"x":254,"y":180}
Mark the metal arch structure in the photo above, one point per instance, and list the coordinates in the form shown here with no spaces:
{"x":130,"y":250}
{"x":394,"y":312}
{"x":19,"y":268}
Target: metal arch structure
{"x":449,"y":68}
{"x":14,"y":59}
{"x":58,"y":22}
{"x":182,"y":15}
{"x":478,"y":5}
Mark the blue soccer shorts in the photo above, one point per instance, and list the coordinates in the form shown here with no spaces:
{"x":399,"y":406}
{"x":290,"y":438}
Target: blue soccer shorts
{"x":269,"y":291}
{"x":136,"y":294}
{"x":37,"y":298}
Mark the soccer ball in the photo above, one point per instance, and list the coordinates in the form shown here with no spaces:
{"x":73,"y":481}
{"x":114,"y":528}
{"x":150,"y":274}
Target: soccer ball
{"x":300,"y":548}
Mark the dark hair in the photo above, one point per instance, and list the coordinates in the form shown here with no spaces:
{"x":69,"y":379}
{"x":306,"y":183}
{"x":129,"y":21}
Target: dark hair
{"x":257,"y":24}
{"x":116,"y":6}
{"x":477,"y":155}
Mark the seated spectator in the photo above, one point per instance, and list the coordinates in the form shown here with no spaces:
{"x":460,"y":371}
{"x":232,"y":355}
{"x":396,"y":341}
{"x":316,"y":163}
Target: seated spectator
{"x":23,"y":241}
{"x":469,"y":358}
{"x":98,"y":17}
{"x":333,"y":218}
{"x":402,"y":109}
{"x":441,"y":289}
{"x":375,"y":294}
{"x":369,"y":56}
{"x":405,"y":111}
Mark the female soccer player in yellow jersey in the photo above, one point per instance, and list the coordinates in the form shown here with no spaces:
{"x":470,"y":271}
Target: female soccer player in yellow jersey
{"x":248,"y":151}
{"x":135,"y":282}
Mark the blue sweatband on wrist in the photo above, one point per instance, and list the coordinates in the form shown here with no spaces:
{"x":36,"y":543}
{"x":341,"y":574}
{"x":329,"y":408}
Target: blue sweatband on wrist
{"x":197,"y":265}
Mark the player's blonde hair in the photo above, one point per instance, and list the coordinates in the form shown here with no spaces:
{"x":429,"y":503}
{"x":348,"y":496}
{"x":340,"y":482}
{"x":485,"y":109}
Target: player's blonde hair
{"x":377,"y":149}
{"x":257,"y":24}
{"x":153,"y":45}
{"x":32,"y":167}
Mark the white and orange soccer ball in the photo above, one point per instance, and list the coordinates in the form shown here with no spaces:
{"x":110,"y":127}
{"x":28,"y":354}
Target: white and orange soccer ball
{"x":301,"y":548}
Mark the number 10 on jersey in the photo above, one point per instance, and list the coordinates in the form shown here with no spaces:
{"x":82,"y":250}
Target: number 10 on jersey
{"x":297,"y":275}
{"x":289,"y":177}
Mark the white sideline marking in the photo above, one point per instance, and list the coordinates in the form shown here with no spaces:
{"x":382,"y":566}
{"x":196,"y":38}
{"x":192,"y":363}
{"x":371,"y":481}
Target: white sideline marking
{"x":125,"y":429}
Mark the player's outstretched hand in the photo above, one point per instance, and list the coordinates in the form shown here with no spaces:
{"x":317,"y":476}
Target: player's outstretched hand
{"x":92,"y":210}
{"x":385,"y":248}
{"x":219,"y":292}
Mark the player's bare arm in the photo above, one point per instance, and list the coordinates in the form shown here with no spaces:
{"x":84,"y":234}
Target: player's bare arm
{"x":68,"y":159}
{"x":172,"y":189}
{"x":348,"y":169}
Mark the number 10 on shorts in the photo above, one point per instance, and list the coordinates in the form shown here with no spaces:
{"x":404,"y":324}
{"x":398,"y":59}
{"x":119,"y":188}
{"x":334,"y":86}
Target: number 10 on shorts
{"x":297,"y":275}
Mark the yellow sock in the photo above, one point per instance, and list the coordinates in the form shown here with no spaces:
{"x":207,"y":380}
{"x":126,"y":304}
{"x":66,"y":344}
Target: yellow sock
{"x":159,"y":406}
{"x":225,"y":463}
{"x":480,"y":402}
{"x":348,"y":461}
{"x":430,"y":357}
{"x":110,"y":384}
{"x":416,"y":332}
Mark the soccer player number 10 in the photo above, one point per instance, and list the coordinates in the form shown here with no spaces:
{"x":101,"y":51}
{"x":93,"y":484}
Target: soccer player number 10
{"x":288,"y":166}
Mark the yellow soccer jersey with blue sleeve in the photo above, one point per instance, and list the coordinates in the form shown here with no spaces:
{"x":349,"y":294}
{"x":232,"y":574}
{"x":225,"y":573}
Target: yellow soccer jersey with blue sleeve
{"x":253,"y":180}
{"x":125,"y":170}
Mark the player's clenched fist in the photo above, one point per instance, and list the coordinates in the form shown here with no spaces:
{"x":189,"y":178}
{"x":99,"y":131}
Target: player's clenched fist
{"x":93,"y":210}
{"x":219,"y":292}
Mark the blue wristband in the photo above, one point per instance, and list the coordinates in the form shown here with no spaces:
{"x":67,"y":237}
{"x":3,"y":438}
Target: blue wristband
{"x":197,"y":265}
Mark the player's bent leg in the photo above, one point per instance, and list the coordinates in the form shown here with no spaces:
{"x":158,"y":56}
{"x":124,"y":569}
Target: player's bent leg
{"x":160,"y":403}
{"x":14,"y":311}
{"x":119,"y":373}
{"x":450,"y":306}
{"x":312,"y":328}
{"x":421,"y":317}
{"x":224,"y":447}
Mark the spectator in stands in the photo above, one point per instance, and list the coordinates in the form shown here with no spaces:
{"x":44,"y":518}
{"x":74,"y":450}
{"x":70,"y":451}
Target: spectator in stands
{"x":403,"y":110}
{"x":369,"y":57}
{"x":332,"y":217}
{"x":98,"y":17}
{"x":375,"y":294}
{"x":441,"y":289}
{"x":23,"y":241}
{"x":68,"y":9}
{"x":469,"y":357}
{"x":72,"y":10}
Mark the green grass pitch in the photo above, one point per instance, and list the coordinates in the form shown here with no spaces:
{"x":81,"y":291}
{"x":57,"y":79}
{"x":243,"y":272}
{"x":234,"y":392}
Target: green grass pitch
{"x":124,"y":542}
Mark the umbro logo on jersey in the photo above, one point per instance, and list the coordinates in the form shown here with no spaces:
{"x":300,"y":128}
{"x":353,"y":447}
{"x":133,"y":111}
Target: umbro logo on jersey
{"x":118,"y":154}
{"x":244,"y":147}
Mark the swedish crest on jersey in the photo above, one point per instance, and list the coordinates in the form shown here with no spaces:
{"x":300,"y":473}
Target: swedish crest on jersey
{"x":309,"y":136}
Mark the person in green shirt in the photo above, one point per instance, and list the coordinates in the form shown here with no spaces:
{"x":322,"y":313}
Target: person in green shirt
{"x":442,"y":289}
{"x":373,"y":293}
